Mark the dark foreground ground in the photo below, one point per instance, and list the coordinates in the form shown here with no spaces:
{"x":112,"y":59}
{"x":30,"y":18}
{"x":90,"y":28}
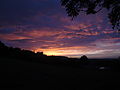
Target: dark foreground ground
{"x":21,"y":74}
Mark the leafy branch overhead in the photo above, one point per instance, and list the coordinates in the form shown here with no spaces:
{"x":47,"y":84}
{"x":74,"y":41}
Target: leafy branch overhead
{"x":74,"y":7}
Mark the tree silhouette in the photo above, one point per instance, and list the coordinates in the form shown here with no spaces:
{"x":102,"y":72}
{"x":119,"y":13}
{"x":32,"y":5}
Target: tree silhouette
{"x":84,"y":59}
{"x":74,"y":7}
{"x":17,"y":53}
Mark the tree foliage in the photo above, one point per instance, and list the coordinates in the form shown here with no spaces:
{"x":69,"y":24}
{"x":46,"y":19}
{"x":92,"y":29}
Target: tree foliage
{"x":74,"y":7}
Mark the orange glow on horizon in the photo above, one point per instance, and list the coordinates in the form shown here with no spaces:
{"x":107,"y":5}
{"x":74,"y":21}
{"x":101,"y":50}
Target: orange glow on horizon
{"x":67,"y":51}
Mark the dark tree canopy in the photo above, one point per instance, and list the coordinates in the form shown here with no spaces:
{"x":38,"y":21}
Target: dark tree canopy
{"x":74,"y":7}
{"x":84,"y":57}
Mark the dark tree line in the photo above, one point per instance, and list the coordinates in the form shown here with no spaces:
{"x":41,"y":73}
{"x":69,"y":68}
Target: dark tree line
{"x":74,"y":7}
{"x":17,"y":53}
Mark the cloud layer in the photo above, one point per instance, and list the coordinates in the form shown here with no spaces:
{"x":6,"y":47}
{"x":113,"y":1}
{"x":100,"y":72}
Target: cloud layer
{"x":42,"y":25}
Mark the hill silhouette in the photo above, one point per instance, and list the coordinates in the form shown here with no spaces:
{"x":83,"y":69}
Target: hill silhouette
{"x":39,"y":57}
{"x":26,"y":69}
{"x":18,"y":53}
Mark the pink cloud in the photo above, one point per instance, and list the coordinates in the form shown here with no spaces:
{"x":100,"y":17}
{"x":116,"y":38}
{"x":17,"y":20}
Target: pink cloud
{"x":12,"y":37}
{"x":77,"y":26}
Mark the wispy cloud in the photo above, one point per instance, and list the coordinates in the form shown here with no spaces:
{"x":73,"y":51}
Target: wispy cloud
{"x":42,"y":25}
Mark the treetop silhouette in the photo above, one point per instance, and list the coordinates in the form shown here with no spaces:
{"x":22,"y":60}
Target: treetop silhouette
{"x":74,"y":7}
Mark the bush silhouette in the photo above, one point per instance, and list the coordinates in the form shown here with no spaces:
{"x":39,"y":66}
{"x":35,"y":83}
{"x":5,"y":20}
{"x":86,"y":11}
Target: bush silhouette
{"x":84,"y":59}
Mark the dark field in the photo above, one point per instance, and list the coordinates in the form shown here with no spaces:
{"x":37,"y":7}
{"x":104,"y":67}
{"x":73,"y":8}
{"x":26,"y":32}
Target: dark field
{"x":23,"y":74}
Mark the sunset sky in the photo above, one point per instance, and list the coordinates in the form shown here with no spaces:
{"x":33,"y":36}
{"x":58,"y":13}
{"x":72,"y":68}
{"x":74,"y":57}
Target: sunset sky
{"x":43,"y":25}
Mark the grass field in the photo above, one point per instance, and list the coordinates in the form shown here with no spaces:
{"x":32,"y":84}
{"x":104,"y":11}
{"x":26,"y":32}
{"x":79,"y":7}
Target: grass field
{"x":21,"y":74}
